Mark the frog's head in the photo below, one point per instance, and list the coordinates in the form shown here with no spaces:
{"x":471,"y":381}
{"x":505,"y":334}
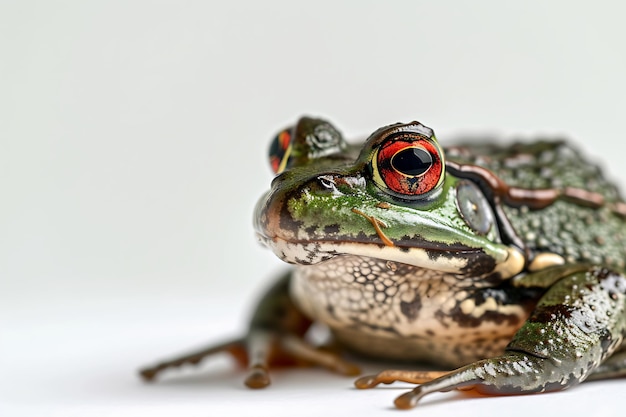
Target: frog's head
{"x":390,"y":199}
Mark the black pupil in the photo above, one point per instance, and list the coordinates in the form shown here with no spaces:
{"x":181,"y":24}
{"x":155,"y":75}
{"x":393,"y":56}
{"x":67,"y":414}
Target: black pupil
{"x":412,"y":161}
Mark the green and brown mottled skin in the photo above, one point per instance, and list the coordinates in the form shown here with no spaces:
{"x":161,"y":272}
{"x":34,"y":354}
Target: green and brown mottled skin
{"x":507,"y":266}
{"x":576,"y":232}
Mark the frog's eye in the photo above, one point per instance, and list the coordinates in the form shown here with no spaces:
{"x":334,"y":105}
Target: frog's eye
{"x":409,"y":166}
{"x":280,"y":150}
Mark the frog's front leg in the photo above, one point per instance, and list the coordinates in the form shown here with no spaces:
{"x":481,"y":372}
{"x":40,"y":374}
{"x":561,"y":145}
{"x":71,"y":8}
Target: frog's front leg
{"x":577,"y":324}
{"x":274,"y":338}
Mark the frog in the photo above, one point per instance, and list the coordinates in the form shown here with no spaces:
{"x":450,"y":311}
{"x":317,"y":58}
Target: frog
{"x":501,"y":264}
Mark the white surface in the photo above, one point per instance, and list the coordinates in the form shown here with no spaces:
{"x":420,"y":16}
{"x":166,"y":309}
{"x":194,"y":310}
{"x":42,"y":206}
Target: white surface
{"x":132,"y":150}
{"x":79,"y":360}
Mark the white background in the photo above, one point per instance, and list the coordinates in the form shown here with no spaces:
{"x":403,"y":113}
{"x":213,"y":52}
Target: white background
{"x":133,"y":138}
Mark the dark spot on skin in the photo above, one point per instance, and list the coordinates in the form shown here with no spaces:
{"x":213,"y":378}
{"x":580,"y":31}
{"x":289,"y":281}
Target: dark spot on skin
{"x":311,"y":254}
{"x":358,"y":323}
{"x":331,"y":310}
{"x":442,"y":318}
{"x":494,"y":279}
{"x":411,"y":310}
{"x":605,"y":339}
{"x":480,"y":341}
{"x":611,"y":282}
{"x":430,"y":332}
{"x":504,"y":295}
{"x":550,"y":313}
{"x":478,"y":264}
{"x":302,"y":261}
{"x":331,"y":228}
{"x":602,"y":273}
{"x":464,"y":320}
{"x":437,"y":248}
{"x":311,"y":229}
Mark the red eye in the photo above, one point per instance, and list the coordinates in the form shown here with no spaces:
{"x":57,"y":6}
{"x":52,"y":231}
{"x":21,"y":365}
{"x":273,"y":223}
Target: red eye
{"x":409,"y":166}
{"x":280,"y":150}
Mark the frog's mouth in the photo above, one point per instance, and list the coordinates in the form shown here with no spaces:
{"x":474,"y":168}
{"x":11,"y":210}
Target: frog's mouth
{"x":304,"y":228}
{"x":456,"y":259}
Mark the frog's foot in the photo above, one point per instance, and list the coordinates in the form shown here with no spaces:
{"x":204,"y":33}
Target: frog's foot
{"x":390,"y":376}
{"x":234,"y":347}
{"x":266,"y":349}
{"x":512,"y":373}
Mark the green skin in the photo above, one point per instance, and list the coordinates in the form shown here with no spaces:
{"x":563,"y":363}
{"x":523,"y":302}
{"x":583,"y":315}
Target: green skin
{"x":559,"y":260}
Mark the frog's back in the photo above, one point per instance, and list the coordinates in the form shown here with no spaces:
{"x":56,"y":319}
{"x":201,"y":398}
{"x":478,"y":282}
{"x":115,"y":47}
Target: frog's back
{"x":577,"y":232}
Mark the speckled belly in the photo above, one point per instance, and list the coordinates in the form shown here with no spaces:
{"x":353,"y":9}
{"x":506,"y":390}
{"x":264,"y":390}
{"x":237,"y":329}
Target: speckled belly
{"x":401,"y":312}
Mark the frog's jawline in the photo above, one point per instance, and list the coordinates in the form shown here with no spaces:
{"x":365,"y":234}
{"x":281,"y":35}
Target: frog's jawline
{"x":453,"y":261}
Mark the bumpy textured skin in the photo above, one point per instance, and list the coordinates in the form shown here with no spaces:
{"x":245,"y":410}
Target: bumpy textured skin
{"x":580,"y":319}
{"x":401,"y":312}
{"x":578,"y":233}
